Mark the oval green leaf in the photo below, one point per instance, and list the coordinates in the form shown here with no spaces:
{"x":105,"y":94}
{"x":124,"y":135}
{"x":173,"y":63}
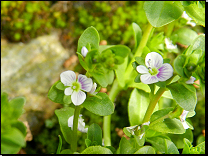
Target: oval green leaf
{"x":101,"y":107}
{"x":160,"y":13}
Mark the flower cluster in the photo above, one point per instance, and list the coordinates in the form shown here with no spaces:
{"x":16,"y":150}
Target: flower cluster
{"x":155,"y":70}
{"x":77,"y":87}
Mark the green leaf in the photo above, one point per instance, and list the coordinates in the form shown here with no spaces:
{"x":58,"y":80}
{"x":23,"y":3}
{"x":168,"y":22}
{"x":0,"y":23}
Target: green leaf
{"x":179,"y":64}
{"x":4,"y":101}
{"x":160,"y":13}
{"x":184,"y":97}
{"x":20,"y":126}
{"x":202,"y":147}
{"x":198,"y":43}
{"x":163,"y":145}
{"x":160,"y":113}
{"x":119,"y":50}
{"x":140,"y":61}
{"x":87,"y":142}
{"x":196,"y":13}
{"x":137,"y":34}
{"x":184,"y":36}
{"x":55,"y":94}
{"x":137,"y":106}
{"x":120,"y":71}
{"x":17,"y":104}
{"x":59,"y":145}
{"x":187,"y":146}
{"x":67,"y":99}
{"x":66,"y":151}
{"x":89,"y":36}
{"x":63,"y":115}
{"x":82,"y":62}
{"x":146,"y":150}
{"x":60,"y":85}
{"x":177,"y":139}
{"x":101,"y":107}
{"x":95,"y":134}
{"x":96,"y":150}
{"x":12,"y":141}
{"x":104,"y":78}
{"x":125,"y":147}
{"x":173,"y":126}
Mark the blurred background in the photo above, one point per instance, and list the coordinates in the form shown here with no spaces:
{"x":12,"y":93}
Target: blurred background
{"x":39,"y":41}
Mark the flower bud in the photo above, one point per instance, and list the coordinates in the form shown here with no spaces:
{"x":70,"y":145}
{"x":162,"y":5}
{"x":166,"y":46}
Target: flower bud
{"x":84,"y":51}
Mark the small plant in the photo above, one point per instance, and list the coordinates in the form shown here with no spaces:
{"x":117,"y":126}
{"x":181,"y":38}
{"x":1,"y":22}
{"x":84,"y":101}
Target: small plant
{"x":153,"y":129}
{"x":13,"y":131}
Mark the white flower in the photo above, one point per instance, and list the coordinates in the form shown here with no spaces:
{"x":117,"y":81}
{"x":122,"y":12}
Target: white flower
{"x":185,"y":15}
{"x":75,"y":87}
{"x":84,"y":51}
{"x":183,"y":119}
{"x":191,"y":80}
{"x":155,"y":70}
{"x":169,"y":44}
{"x":92,"y":91}
{"x":81,"y":124}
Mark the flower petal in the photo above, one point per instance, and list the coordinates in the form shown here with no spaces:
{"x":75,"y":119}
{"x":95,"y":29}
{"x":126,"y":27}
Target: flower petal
{"x":86,"y":83}
{"x":191,"y":80}
{"x":153,"y":59}
{"x":68,"y":91}
{"x":70,"y":122}
{"x":185,"y":125}
{"x":148,"y":79}
{"x":78,"y":97}
{"x":142,"y":69}
{"x":165,"y":72}
{"x":92,"y":91}
{"x":68,"y":77}
{"x":81,"y":125}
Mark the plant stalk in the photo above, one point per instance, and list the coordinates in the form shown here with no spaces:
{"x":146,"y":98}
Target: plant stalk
{"x":107,"y":119}
{"x":152,"y":104}
{"x":75,"y":126}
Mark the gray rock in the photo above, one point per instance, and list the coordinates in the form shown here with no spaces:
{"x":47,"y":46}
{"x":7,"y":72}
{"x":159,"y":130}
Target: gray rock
{"x":30,"y":69}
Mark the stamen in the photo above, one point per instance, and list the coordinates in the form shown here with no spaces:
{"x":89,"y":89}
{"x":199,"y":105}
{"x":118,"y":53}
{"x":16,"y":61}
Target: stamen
{"x":149,"y":62}
{"x":74,"y":87}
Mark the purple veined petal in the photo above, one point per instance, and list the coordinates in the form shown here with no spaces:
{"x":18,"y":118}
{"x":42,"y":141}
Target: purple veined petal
{"x":165,"y":72}
{"x":68,"y":91}
{"x":68,"y":77}
{"x":86,"y":83}
{"x":142,"y":69}
{"x":148,"y":79}
{"x":153,"y":59}
{"x":78,"y":97}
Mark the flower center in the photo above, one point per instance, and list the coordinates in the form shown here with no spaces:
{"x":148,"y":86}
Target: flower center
{"x":153,"y":71}
{"x":76,"y":86}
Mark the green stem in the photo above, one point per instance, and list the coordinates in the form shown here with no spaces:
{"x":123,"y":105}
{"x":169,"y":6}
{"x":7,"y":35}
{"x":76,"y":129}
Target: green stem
{"x":152,"y":104}
{"x":107,"y":119}
{"x":140,"y":48}
{"x":75,"y":126}
{"x":170,"y":28}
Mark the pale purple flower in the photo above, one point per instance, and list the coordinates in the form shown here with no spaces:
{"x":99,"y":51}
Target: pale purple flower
{"x":183,"y":119}
{"x":81,"y":124}
{"x":92,"y":91}
{"x":84,"y":51}
{"x":76,"y":87}
{"x":191,"y":80}
{"x":154,"y":70}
